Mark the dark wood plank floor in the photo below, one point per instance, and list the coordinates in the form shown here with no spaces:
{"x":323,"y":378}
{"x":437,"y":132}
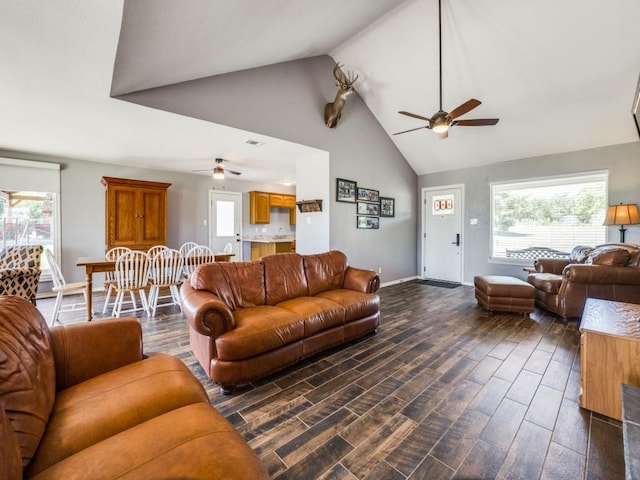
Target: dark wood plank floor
{"x":443,"y":390}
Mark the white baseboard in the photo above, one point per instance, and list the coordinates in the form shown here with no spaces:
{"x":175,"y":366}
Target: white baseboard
{"x":400,"y":280}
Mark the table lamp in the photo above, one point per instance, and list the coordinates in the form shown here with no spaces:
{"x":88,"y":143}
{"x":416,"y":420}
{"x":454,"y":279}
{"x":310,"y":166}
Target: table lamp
{"x":622,"y":214}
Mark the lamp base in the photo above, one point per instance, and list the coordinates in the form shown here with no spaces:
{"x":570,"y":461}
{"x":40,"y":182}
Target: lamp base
{"x":622,"y":230}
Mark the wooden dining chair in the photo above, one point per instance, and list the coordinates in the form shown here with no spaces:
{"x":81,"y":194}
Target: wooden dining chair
{"x":109,"y":277}
{"x":131,"y":276}
{"x":165,"y":272}
{"x":62,"y":288}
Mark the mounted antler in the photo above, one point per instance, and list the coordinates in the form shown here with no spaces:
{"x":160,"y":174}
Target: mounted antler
{"x":333,"y":110}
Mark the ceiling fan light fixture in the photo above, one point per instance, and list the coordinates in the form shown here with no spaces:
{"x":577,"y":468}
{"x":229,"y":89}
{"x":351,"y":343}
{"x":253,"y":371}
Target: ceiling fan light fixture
{"x":218,"y":173}
{"x":440,"y":126}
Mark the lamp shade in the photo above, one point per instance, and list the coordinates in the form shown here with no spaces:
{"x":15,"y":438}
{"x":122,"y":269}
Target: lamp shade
{"x":623,"y":214}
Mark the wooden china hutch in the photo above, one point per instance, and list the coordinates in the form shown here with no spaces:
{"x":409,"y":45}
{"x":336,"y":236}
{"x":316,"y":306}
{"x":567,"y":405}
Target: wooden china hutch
{"x":136,"y":213}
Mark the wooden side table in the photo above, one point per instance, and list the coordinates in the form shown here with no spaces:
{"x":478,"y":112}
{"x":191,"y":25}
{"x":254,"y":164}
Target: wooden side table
{"x":609,"y":354}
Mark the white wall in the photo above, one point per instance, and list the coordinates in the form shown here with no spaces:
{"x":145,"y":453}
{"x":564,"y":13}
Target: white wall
{"x":287,"y":101}
{"x":622,"y":162}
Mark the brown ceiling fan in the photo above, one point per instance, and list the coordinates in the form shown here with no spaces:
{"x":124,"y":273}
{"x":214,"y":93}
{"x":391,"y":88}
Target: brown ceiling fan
{"x":219,"y":170}
{"x":441,"y":121}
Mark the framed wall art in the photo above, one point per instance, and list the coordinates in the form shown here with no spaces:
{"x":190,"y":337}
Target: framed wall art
{"x":365,"y":208}
{"x":368,"y":222}
{"x":368,"y":195}
{"x":345,"y":190}
{"x":387,"y":207}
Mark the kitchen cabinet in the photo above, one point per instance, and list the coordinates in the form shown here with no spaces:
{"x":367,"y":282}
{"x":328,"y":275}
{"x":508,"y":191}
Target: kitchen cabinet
{"x":259,"y":207}
{"x":260,"y":204}
{"x":261,"y":249}
{"x":136,"y":213}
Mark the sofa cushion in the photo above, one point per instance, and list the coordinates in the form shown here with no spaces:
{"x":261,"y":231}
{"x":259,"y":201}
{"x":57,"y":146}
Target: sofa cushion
{"x":259,"y":329}
{"x":546,"y":282}
{"x":605,"y":255}
{"x":193,"y":442}
{"x":356,"y":305}
{"x":318,"y":313}
{"x":113,"y":402}
{"x":238,"y":284}
{"x":27,"y":372}
{"x":325,"y":271}
{"x":579,"y":254}
{"x":284,"y":277}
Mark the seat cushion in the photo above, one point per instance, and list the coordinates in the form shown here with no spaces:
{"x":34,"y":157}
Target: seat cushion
{"x":546,"y":282}
{"x":113,"y":402}
{"x":356,"y":305}
{"x":259,"y":330}
{"x":503,"y":286}
{"x":193,"y":442}
{"x":318,"y":313}
{"x":27,"y":372}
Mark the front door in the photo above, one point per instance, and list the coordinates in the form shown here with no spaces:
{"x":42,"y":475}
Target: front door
{"x":442,"y":246}
{"x":225,"y":223}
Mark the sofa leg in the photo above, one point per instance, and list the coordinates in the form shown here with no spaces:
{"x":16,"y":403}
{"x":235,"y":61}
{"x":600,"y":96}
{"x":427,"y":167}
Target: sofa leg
{"x":227,"y":389}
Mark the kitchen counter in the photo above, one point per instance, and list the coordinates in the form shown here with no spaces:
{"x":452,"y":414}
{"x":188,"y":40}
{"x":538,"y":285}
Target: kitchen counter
{"x":266,"y":239}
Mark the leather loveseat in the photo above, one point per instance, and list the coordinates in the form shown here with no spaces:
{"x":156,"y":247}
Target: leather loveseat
{"x":82,"y":401}
{"x":250,"y":319}
{"x":610,"y":272}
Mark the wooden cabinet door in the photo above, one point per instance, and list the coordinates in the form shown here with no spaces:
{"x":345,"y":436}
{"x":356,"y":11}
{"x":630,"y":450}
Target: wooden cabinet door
{"x":276,"y":200}
{"x":121,"y":217}
{"x":289,"y":201}
{"x":259,"y":207}
{"x":152,"y":222}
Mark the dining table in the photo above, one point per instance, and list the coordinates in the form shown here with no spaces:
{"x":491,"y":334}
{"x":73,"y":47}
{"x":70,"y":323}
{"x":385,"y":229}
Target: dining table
{"x":100,"y":265}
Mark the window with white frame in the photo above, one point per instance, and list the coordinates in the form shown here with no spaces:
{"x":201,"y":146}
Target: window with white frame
{"x":547,"y":217}
{"x":29,"y":206}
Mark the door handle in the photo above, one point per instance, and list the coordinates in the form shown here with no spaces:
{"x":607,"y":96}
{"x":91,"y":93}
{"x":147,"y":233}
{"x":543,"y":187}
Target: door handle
{"x":457,"y":242}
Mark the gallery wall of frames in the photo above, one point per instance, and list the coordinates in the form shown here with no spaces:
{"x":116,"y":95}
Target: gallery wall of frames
{"x":370,"y":206}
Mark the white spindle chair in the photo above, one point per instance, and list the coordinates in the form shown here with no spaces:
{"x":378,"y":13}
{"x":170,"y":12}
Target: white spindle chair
{"x":166,"y":272}
{"x":197,"y":256}
{"x":61,"y":287}
{"x":110,"y":277}
{"x":132,"y":275}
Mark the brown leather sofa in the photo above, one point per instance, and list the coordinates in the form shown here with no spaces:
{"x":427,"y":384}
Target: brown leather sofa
{"x":610,"y":272}
{"x":82,"y":401}
{"x":250,"y":319}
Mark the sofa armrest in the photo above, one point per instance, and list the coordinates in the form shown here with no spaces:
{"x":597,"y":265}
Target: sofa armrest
{"x":85,"y":350}
{"x":550,"y":265}
{"x":206,"y":312}
{"x":361,"y":280}
{"x":602,"y":274}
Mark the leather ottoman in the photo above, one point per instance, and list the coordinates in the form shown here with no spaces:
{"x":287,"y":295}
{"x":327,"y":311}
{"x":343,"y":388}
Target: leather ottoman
{"x":504,"y":294}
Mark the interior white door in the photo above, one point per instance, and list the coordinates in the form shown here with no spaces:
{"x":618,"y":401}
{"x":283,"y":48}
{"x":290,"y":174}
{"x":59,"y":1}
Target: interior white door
{"x":225,"y":222}
{"x":442,"y":246}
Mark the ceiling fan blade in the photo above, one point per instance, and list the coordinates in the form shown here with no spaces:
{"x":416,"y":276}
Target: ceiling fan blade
{"x":204,"y":170}
{"x":233,"y":172}
{"x":409,"y":114}
{"x":464,"y":108}
{"x":411,"y":130}
{"x":478,"y":122}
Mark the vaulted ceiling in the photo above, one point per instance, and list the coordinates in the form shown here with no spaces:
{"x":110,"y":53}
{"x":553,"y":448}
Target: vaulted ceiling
{"x":561,"y":76}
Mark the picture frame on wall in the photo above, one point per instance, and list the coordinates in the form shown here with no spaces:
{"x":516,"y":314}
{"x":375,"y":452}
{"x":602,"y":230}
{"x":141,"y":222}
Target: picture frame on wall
{"x":368,"y":195}
{"x":345,"y":190}
{"x":369,"y":223}
{"x":366,"y":208}
{"x":387,"y":207}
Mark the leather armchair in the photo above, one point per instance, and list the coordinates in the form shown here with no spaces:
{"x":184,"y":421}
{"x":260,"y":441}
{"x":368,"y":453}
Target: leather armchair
{"x":609,"y":272}
{"x":20,"y":271}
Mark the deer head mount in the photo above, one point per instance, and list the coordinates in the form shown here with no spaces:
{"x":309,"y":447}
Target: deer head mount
{"x":333,"y":110}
